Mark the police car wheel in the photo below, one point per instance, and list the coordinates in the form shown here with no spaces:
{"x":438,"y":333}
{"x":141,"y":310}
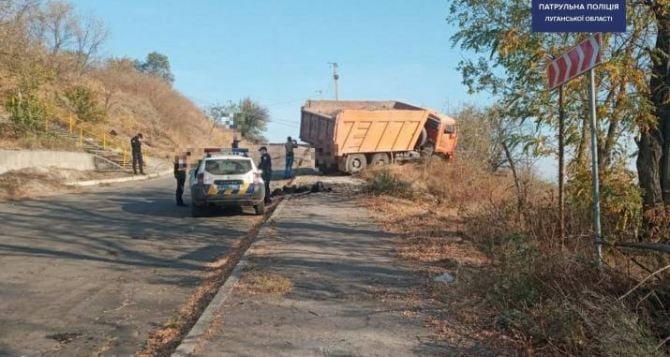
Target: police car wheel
{"x":260,"y":208}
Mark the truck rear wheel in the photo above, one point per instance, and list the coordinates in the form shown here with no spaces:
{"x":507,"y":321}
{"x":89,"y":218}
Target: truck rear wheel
{"x":356,"y":163}
{"x":380,"y":159}
{"x":427,"y":150}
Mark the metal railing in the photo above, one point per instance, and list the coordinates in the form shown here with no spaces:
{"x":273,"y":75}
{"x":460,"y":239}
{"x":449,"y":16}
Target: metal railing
{"x":77,"y":127}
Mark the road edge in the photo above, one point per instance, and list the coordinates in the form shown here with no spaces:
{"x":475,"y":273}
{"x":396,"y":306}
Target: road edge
{"x":118,"y":179}
{"x":189,"y":343}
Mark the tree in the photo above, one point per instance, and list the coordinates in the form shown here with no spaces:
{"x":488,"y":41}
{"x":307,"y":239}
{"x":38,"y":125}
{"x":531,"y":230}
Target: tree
{"x":156,"y":64}
{"x":90,"y":34}
{"x":66,"y":34}
{"x":653,"y":161}
{"x":251,"y":119}
{"x":247,"y":117}
{"x":511,"y":62}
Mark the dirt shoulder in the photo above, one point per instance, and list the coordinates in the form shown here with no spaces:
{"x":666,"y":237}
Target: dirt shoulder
{"x":429,"y":240}
{"x":32,"y":183}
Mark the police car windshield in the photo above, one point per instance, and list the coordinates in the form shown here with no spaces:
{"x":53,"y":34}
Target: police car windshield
{"x":227,"y":166}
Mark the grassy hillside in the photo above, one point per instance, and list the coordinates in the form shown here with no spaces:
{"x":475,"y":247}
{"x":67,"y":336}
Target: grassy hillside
{"x":49,"y":74}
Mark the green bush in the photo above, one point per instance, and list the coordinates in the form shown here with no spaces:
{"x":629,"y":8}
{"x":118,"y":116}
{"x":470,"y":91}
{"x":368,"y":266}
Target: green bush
{"x":386,"y":183}
{"x":27,"y":111}
{"x":82,"y":102}
{"x":620,"y":198}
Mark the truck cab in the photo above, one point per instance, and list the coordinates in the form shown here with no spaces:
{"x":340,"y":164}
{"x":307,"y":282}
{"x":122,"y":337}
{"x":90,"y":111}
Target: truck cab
{"x":441,"y":136}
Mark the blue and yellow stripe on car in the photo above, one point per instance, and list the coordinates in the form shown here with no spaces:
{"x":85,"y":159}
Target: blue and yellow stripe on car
{"x":245,"y":188}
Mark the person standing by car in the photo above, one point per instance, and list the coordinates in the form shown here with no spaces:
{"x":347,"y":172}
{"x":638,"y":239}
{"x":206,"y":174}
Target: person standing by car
{"x":265,"y":166}
{"x":180,"y":167}
{"x":290,"y":145}
{"x":136,"y":146}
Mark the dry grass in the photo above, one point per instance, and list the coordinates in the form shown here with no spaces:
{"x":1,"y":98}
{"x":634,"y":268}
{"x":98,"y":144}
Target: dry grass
{"x":256,"y":282}
{"x":32,"y":141}
{"x":516,"y":291}
{"x":427,"y":233}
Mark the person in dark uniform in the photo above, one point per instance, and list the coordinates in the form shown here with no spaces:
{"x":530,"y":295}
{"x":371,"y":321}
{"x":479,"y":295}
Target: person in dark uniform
{"x":289,"y":146}
{"x":180,"y":169}
{"x":236,"y":143}
{"x":136,"y":145}
{"x":266,"y":167}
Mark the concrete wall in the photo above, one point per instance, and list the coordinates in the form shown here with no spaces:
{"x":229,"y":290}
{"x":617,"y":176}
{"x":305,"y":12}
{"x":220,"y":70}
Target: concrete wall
{"x":303,"y":156}
{"x":22,"y":159}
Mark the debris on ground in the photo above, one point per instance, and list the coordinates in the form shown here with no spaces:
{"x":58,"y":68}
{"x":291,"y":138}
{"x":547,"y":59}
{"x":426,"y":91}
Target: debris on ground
{"x":445,"y":278}
{"x":298,"y":189}
{"x":258,"y":282}
{"x":65,"y":337}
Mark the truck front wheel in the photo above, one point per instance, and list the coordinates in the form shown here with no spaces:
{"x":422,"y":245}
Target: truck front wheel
{"x":356,"y":163}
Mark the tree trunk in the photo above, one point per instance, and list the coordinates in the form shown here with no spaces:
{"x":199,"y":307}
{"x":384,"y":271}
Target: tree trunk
{"x":582,"y":148}
{"x":517,"y":183}
{"x":648,"y":168}
{"x":660,"y":92}
{"x":653,"y":161}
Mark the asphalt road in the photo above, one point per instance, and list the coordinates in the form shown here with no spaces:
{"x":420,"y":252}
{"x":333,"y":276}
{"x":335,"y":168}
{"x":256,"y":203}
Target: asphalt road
{"x":350,"y":294}
{"x":95,"y":272}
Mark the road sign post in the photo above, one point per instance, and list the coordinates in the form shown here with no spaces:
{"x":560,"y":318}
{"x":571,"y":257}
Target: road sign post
{"x":573,"y":63}
{"x":594,"y":168}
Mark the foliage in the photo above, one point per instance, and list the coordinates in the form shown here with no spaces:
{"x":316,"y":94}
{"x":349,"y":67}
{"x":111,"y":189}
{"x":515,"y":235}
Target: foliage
{"x":27,"y":111}
{"x":511,"y":62}
{"x":246,"y":116}
{"x":620,"y":200}
{"x":251,"y":119}
{"x":384,"y":182}
{"x":158,"y":65}
{"x":83,"y":103}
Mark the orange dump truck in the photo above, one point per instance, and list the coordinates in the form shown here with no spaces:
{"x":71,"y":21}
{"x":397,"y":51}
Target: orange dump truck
{"x":351,"y":135}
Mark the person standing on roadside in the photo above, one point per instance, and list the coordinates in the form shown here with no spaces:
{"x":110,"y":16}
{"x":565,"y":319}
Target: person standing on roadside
{"x":136,"y":146}
{"x":180,"y":168}
{"x":290,"y":145}
{"x":265,"y":166}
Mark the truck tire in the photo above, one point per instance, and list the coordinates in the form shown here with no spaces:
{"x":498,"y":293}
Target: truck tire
{"x":355,"y":163}
{"x":380,"y":159}
{"x":422,"y":138}
{"x":427,"y":150}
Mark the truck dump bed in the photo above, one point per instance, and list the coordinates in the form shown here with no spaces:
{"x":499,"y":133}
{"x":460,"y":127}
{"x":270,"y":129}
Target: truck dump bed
{"x":344,"y":127}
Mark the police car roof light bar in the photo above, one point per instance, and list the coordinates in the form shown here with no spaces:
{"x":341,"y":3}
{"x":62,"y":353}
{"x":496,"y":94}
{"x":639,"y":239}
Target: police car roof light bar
{"x":227,"y":151}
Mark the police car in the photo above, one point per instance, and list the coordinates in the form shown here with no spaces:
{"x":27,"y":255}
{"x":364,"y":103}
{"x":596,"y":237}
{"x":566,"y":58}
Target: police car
{"x":226,"y":177}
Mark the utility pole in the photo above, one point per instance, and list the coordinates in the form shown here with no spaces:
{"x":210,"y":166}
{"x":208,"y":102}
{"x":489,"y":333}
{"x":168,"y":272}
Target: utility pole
{"x":335,"y":78}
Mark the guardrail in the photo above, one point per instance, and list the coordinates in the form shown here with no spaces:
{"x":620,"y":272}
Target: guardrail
{"x":77,"y":127}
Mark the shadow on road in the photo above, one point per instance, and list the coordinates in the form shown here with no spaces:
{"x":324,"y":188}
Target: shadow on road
{"x":115,"y":227}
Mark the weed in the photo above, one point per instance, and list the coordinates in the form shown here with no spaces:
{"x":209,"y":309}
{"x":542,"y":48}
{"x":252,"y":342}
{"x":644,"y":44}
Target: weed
{"x":265,"y":283}
{"x":386,"y":183}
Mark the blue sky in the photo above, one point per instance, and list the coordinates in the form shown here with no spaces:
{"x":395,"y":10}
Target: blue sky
{"x":277,"y":52}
